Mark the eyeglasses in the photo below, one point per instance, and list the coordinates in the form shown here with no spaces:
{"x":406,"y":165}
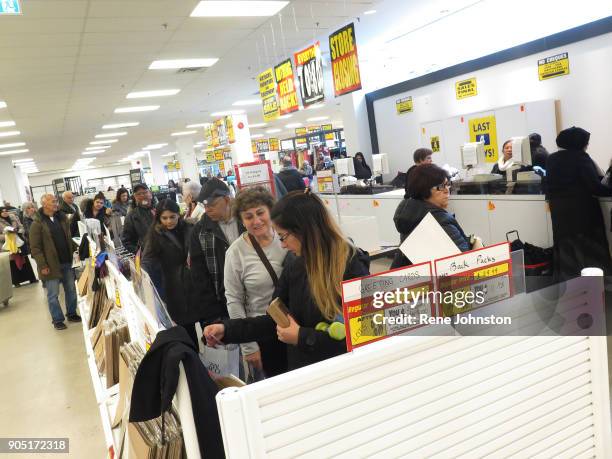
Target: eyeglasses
{"x":444,"y":186}
{"x":283,"y":237}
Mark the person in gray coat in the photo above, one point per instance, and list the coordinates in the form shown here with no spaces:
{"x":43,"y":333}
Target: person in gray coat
{"x":138,"y":220}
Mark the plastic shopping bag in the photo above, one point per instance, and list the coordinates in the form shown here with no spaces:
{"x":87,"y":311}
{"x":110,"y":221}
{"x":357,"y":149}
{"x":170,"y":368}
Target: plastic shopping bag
{"x":222,"y":360}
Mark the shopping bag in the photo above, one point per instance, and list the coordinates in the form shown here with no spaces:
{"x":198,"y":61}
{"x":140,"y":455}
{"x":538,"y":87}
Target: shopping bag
{"x":223,"y":360}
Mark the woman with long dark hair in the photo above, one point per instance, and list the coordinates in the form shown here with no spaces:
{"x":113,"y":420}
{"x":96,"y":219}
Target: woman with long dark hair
{"x":362,"y":170}
{"x":121,"y":204}
{"x":310,"y":285}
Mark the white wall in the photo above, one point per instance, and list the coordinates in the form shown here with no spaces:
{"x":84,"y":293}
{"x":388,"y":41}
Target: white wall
{"x":47,"y":179}
{"x":583,"y":100}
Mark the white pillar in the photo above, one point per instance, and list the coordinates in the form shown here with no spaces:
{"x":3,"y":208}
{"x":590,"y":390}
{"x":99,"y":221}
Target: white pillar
{"x":241,"y":149}
{"x":356,"y":127}
{"x":157,"y":167}
{"x":186,"y":156}
{"x":11,"y":182}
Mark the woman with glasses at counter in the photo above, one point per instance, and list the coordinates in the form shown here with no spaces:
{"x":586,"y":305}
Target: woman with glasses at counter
{"x":428,"y":191}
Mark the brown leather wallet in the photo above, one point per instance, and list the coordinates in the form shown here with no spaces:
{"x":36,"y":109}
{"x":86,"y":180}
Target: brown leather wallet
{"x":279,"y":312}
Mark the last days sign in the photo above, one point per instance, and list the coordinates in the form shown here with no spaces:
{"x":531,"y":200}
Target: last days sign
{"x":345,"y":62}
{"x":310,"y":73}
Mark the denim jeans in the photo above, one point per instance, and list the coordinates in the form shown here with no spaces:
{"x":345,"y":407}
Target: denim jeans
{"x":70,"y":295}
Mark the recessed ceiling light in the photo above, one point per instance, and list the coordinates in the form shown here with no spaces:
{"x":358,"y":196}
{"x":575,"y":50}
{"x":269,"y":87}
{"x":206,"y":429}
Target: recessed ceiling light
{"x":6,"y":124}
{"x":155,"y":146}
{"x":120,"y":125}
{"x":257,"y":136}
{"x":318,"y":118}
{"x":11,"y":145}
{"x":102,"y":142}
{"x":93,"y":152}
{"x":2,"y":104}
{"x":182,"y":63}
{"x":367,"y":13}
{"x":228,"y":113}
{"x":144,"y":108}
{"x":172,"y":153}
{"x":315,"y":106}
{"x":284,"y":117}
{"x":176,"y":134}
{"x":243,"y":103}
{"x":212,"y":8}
{"x":9,"y":133}
{"x":258,"y":125}
{"x":189,"y":126}
{"x":293,"y":125}
{"x":99,"y":147}
{"x":272,"y":131}
{"x":23,"y":160}
{"x":157,"y":93}
{"x":113,"y":134}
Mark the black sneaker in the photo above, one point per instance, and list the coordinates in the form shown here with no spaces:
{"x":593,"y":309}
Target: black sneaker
{"x":60,"y":326}
{"x":74,"y":318}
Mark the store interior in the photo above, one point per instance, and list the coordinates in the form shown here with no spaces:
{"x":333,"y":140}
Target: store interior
{"x":100,"y":95}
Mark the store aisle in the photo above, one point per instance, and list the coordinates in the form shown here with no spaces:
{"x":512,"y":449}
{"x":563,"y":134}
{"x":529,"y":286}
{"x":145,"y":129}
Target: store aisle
{"x":45,"y":386}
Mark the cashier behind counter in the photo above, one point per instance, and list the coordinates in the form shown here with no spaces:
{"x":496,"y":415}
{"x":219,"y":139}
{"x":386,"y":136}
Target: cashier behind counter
{"x":506,"y":162}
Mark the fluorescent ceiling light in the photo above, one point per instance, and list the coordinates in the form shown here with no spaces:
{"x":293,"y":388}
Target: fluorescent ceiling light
{"x":228,"y":113}
{"x":293,"y":125}
{"x":99,"y":147}
{"x":23,"y":160}
{"x":189,"y":126}
{"x":318,"y":118}
{"x":182,"y":63}
{"x":120,"y":125}
{"x":272,"y":131}
{"x":284,"y":117}
{"x":155,"y":146}
{"x":257,"y":136}
{"x":315,"y":106}
{"x":95,"y":152}
{"x":9,"y":133}
{"x":212,"y":8}
{"x":113,"y":134}
{"x":367,"y":13}
{"x":7,"y":124}
{"x":158,"y":93}
{"x":13,"y":152}
{"x":2,"y":104}
{"x":31,"y":165}
{"x":242,"y":103}
{"x":258,"y":125}
{"x":144,"y":108}
{"x":176,"y":134}
{"x":102,"y":142}
{"x":11,"y":145}
{"x":172,"y":153}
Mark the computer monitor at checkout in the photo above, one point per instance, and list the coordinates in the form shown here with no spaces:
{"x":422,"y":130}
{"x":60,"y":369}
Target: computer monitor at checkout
{"x":521,"y":150}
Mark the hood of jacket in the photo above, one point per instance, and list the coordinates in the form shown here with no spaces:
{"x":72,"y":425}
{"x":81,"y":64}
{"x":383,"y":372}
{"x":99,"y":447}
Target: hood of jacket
{"x":40,"y":215}
{"x":411,"y":211}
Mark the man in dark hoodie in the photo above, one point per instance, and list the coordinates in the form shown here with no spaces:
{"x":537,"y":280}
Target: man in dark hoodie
{"x":138,"y":220}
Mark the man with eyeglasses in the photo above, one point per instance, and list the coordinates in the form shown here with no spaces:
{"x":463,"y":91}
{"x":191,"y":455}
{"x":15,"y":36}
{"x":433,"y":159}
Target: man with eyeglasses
{"x":139,"y":219}
{"x":210,"y":239}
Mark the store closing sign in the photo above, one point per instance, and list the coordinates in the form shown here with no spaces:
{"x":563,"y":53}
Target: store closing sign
{"x":466,"y":88}
{"x":267,"y":91}
{"x":484,"y":130}
{"x":309,"y":70}
{"x":553,"y":66}
{"x":345,"y":62}
{"x":287,"y":95}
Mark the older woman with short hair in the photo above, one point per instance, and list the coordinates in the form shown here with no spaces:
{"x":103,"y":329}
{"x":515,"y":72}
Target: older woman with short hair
{"x":195,"y":209}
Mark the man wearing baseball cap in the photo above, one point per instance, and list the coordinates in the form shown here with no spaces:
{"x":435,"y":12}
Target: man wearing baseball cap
{"x":210,"y":239}
{"x":139,"y":219}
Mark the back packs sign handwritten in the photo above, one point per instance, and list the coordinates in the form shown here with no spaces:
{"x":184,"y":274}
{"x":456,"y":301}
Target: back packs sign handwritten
{"x":287,"y":95}
{"x":345,"y":62}
{"x":310,"y":73}
{"x":485,"y":130}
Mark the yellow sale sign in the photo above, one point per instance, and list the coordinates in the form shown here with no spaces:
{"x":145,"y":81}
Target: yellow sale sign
{"x":267,"y":91}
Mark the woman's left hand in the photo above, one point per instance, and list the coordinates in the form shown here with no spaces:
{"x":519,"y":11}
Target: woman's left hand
{"x":290,"y":334}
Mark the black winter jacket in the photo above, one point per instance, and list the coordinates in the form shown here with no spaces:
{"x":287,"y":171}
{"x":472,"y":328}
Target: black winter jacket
{"x":313,"y":345}
{"x":135,"y":228}
{"x":156,"y":382}
{"x":292,"y":179}
{"x":207,"y":247}
{"x":409,"y":214}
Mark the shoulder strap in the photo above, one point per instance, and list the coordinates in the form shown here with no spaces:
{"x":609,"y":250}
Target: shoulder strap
{"x":264,"y":259}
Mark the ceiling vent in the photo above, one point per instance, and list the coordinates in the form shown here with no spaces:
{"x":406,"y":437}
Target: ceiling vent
{"x":191,"y":70}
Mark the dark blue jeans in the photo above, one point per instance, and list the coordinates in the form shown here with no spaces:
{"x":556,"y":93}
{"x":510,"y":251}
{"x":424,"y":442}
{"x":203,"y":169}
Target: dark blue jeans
{"x":70,"y":294}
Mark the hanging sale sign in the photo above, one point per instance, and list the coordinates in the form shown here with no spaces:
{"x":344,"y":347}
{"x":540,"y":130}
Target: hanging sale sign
{"x":326,"y":127}
{"x":274,"y":144}
{"x":267,"y":91}
{"x":300,"y":132}
{"x":285,"y":84}
{"x":309,"y":70}
{"x":345,"y":62}
{"x":484,"y":130}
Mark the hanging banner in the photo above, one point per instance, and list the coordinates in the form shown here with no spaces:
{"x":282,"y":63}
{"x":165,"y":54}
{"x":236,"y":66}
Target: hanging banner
{"x":254,"y":146}
{"x":285,"y":84}
{"x":263,"y":146}
{"x":267,"y":91}
{"x":208,"y":136}
{"x":301,"y":142}
{"x":553,"y":66}
{"x":345,"y":62}
{"x":274,"y":144}
{"x":309,"y":70}
{"x":466,"y":88}
{"x":229,"y":129}
{"x":312,"y":129}
{"x":484,"y":130}
{"x":403,"y":105}
{"x":219,"y":156}
{"x":210,"y":156}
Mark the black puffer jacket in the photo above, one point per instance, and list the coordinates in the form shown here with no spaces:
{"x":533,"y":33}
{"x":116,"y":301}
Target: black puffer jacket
{"x":409,"y":214}
{"x":136,"y":227}
{"x":313,"y":345}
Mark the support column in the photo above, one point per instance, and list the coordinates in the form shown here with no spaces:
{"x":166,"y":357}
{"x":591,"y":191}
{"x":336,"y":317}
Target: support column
{"x":187,"y":158}
{"x":241,"y":149}
{"x":356,"y":127}
{"x":12,"y":187}
{"x":157,"y":167}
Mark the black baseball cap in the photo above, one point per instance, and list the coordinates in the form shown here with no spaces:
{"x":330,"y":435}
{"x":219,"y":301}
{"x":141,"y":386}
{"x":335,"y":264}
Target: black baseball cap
{"x":140,"y":186}
{"x":213,"y":188}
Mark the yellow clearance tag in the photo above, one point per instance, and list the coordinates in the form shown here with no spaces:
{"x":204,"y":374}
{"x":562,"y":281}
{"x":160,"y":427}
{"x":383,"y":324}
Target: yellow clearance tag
{"x":117,"y":298}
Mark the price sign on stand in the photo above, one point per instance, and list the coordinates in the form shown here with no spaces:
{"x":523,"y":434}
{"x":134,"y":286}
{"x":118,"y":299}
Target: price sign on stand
{"x":386,"y":304}
{"x":470,"y":280}
{"x":257,"y":173}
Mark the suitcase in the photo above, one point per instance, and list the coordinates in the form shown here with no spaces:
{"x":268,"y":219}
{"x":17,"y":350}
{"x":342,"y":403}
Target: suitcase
{"x":6,"y":284}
